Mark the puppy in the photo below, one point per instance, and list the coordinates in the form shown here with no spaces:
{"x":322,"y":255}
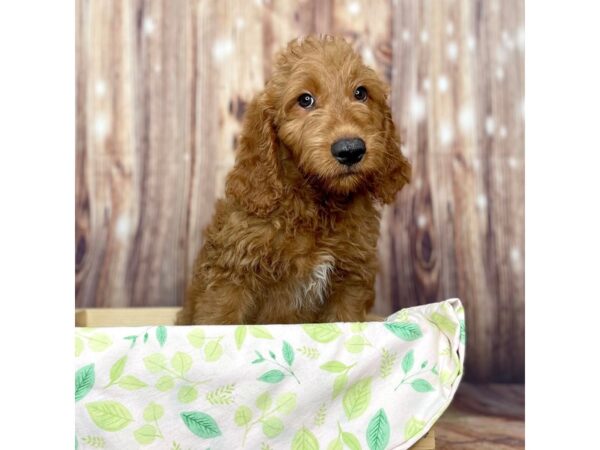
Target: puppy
{"x":294,"y":240}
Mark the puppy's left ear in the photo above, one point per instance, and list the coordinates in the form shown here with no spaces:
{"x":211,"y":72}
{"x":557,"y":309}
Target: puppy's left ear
{"x":397,"y":170}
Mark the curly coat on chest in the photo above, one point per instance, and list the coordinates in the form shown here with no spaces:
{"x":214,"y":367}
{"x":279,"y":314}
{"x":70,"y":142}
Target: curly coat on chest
{"x":295,"y":238}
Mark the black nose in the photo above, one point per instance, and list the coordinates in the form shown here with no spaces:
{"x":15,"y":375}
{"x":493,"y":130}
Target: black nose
{"x":348,"y":151}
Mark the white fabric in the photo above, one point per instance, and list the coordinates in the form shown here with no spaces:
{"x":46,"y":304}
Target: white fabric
{"x":305,"y":387}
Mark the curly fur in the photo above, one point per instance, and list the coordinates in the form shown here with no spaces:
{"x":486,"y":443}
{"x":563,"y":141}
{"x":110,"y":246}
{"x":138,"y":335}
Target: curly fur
{"x":294,"y":240}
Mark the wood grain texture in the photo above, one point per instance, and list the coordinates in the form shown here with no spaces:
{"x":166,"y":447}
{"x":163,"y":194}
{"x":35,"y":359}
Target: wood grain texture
{"x":484,"y":417}
{"x":161,"y":91}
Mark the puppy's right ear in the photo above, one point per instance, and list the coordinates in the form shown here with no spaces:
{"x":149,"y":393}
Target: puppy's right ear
{"x":255,"y":180}
{"x":397,"y":171}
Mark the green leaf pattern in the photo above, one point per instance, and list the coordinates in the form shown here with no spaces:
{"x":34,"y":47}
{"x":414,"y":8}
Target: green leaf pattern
{"x":388,"y":359}
{"x":272,"y":376}
{"x":288,"y":353}
{"x":408,"y":361}
{"x":322,"y":333}
{"x":84,"y":381}
{"x":240,"y":336}
{"x":149,"y":432}
{"x":309,"y":352}
{"x":131,"y":383}
{"x":413,"y":427}
{"x":378,"y":431}
{"x":243,"y":416}
{"x":406,"y":331}
{"x":201,"y":424}
{"x":93,"y":441}
{"x":305,"y":440}
{"x":117,"y":369}
{"x":356,"y":344}
{"x":269,"y":415}
{"x":161,"y":335}
{"x":357,"y":398}
{"x":109,"y":415}
{"x":221,"y":395}
{"x":321,"y":415}
{"x":332,"y":386}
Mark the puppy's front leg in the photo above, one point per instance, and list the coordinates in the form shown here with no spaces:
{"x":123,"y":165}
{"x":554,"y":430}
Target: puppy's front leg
{"x":222,"y":305}
{"x":349,"y":301}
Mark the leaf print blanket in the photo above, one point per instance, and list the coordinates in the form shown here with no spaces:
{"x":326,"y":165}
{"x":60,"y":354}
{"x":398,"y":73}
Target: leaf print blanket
{"x":378,"y":385}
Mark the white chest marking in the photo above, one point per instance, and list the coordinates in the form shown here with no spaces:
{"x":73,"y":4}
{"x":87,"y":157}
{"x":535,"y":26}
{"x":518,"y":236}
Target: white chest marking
{"x":315,"y":288}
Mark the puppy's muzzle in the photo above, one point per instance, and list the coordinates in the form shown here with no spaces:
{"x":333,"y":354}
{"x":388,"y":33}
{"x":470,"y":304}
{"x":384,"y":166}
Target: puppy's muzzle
{"x":348,"y":151}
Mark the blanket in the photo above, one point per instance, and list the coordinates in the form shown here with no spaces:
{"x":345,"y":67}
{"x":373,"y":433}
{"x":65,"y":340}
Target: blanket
{"x":334,"y":386}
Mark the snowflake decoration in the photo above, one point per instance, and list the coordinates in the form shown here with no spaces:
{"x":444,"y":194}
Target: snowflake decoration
{"x":490,"y":125}
{"x":222,"y":49}
{"x":417,"y":107}
{"x":354,"y":8}
{"x":446,"y":133}
{"x":466,"y":118}
{"x":100,"y":89}
{"x":443,"y":83}
{"x":149,"y":26}
{"x":452,"y":51}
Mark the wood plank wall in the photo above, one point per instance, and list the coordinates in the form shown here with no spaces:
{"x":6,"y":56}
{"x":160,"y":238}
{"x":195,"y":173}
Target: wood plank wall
{"x":162,"y":87}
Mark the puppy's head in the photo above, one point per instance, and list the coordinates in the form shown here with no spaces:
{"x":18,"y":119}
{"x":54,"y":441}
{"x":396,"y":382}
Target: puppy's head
{"x":330,"y":111}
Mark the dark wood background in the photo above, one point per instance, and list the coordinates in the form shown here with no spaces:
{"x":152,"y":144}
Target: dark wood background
{"x":161,"y":90}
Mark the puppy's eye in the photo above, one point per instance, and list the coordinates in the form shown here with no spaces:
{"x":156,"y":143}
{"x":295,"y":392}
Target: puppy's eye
{"x":360,"y":93}
{"x":306,"y":101}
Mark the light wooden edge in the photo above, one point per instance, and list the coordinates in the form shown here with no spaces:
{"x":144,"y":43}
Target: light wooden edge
{"x":124,"y":317}
{"x":427,"y":442}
